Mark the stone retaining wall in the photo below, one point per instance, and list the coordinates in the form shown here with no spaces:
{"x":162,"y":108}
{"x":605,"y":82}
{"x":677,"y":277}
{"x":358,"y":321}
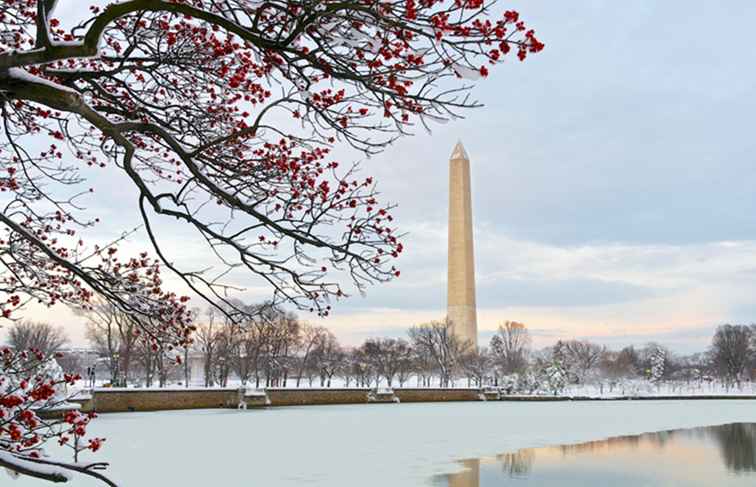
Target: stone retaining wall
{"x":116,"y":401}
{"x":311,"y":397}
{"x":437,"y":395}
{"x":121,"y":400}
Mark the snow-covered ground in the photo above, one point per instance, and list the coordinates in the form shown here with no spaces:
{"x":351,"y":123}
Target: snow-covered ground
{"x":402,"y":445}
{"x":625,"y":388}
{"x":644,"y":388}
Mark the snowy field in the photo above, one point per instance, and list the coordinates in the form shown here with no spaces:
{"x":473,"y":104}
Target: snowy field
{"x":401,"y":445}
{"x":623,"y":388}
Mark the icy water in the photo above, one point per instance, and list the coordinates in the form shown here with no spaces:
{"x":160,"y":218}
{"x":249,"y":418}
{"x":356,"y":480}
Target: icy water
{"x":396,"y":445}
{"x":723,"y":456}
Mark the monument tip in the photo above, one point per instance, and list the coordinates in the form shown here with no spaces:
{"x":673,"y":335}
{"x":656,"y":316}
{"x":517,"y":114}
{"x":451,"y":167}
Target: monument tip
{"x":459,"y":152}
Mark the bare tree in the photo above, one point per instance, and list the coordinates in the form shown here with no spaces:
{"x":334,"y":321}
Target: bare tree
{"x":146,"y":356}
{"x":217,"y":341}
{"x":477,"y":364}
{"x":405,"y":363}
{"x":115,"y":334}
{"x":438,"y":342}
{"x":731,"y":351}
{"x":186,"y":348}
{"x":283,"y":341}
{"x":389,"y":357}
{"x":311,"y":337}
{"x":510,"y":347}
{"x":40,"y":336}
{"x":206,"y":342}
{"x":329,"y":357}
{"x":361,"y":367}
{"x":423,"y":365}
{"x":164,"y":365}
{"x":226,"y":348}
{"x":616,"y":365}
{"x":248,"y":350}
{"x":752,"y":365}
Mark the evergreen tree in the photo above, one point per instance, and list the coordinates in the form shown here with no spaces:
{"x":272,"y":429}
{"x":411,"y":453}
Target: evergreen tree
{"x":658,"y":364}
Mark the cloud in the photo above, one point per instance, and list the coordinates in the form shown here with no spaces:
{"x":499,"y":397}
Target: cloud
{"x":614,"y":293}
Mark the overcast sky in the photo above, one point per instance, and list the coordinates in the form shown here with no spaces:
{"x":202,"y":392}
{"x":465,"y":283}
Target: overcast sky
{"x":612,"y":176}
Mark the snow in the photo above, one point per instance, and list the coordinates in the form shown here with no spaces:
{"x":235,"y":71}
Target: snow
{"x":42,"y":469}
{"x":255,"y":393}
{"x":23,"y":75}
{"x":64,"y":406}
{"x":170,"y":388}
{"x":644,"y":388}
{"x":466,"y":73}
{"x":392,"y":444}
{"x":58,"y":43}
{"x":627,"y":388}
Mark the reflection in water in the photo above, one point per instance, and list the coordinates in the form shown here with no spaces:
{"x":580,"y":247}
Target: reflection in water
{"x":517,"y":464}
{"x":717,"y":455}
{"x":469,"y":477}
{"x":737,"y":444}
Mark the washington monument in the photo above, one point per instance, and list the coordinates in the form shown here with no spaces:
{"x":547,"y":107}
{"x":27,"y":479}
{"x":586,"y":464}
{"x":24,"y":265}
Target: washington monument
{"x":461,"y":279}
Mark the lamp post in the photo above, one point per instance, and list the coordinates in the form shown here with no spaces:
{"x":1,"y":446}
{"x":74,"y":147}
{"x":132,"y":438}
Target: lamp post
{"x":222,"y":370}
{"x":116,"y":370}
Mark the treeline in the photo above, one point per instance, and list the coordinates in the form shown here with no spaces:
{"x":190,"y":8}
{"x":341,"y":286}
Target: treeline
{"x":276,"y":349}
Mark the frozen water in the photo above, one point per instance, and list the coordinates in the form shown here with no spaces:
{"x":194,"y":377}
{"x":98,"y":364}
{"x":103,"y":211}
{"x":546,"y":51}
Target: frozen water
{"x":367,"y":445}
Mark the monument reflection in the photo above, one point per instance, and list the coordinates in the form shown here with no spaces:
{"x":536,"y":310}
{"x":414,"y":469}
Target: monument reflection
{"x":716,"y":455}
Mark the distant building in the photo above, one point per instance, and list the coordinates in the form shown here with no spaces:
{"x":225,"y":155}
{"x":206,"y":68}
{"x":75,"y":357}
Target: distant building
{"x":77,"y":360}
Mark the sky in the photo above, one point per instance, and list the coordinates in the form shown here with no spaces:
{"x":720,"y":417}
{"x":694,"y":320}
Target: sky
{"x":612,"y":180}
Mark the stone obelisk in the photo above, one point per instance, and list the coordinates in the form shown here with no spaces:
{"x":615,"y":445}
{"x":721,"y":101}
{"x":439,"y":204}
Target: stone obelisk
{"x":461,"y":279}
